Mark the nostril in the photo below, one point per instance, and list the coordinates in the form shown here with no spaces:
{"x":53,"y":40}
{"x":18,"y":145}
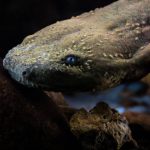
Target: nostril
{"x":24,"y":73}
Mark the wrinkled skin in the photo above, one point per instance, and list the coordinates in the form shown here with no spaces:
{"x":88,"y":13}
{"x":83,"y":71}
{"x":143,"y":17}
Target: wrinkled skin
{"x":97,"y":50}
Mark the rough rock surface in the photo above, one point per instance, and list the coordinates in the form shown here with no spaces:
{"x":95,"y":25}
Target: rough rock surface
{"x":31,"y":120}
{"x":101,"y":128}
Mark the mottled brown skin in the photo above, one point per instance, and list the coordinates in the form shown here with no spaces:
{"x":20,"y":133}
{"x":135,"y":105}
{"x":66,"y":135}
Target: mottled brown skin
{"x":111,"y":44}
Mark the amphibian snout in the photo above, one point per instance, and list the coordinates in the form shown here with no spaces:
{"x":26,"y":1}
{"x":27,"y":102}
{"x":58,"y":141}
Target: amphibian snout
{"x":96,"y":50}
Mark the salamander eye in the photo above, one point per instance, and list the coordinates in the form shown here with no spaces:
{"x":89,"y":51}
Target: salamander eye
{"x":72,"y":60}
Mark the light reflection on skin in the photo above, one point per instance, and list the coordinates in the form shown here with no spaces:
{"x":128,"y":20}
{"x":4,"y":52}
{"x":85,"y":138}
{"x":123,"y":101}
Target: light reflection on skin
{"x":112,"y":97}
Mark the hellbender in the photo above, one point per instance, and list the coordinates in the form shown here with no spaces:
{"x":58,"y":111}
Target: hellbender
{"x":96,"y":50}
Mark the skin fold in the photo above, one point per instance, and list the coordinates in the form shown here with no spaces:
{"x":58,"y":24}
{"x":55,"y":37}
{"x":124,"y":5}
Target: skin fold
{"x":96,"y":50}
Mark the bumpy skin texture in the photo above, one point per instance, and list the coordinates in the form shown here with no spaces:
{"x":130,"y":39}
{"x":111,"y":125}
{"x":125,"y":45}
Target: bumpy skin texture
{"x":111,"y":46}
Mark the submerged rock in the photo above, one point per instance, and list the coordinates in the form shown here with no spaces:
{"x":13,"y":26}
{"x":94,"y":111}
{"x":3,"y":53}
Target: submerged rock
{"x":140,"y":126}
{"x":141,"y":119}
{"x":29,"y":119}
{"x":146,"y":79}
{"x":101,"y":128}
{"x":58,"y":98}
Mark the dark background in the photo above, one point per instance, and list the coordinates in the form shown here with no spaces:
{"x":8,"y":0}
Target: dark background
{"x":19,"y":18}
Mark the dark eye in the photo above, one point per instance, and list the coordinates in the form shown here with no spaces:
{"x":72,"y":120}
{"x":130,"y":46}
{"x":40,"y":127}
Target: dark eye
{"x":72,"y":60}
{"x":24,"y":73}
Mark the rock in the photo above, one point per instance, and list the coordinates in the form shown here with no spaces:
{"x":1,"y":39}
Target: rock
{"x":68,"y":111}
{"x":58,"y":98}
{"x":101,"y":128}
{"x":134,"y":89}
{"x":134,"y":103}
{"x":141,"y":119}
{"x":140,"y":126}
{"x":146,"y":79}
{"x":29,"y":119}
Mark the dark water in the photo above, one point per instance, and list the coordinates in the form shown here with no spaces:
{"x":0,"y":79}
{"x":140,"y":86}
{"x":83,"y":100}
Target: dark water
{"x":113,"y":97}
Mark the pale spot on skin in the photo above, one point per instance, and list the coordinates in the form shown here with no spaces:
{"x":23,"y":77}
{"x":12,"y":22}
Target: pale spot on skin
{"x":111,"y":56}
{"x":136,"y":38}
{"x":104,"y":54}
{"x":116,"y":55}
{"x":143,"y":22}
{"x":121,"y":55}
{"x":89,"y":61}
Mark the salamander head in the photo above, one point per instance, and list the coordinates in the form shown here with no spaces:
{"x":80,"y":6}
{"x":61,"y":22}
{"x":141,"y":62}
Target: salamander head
{"x":43,"y":67}
{"x":90,"y":51}
{"x":70,"y":65}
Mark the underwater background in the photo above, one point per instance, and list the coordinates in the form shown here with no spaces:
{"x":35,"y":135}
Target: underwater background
{"x":22,"y":18}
